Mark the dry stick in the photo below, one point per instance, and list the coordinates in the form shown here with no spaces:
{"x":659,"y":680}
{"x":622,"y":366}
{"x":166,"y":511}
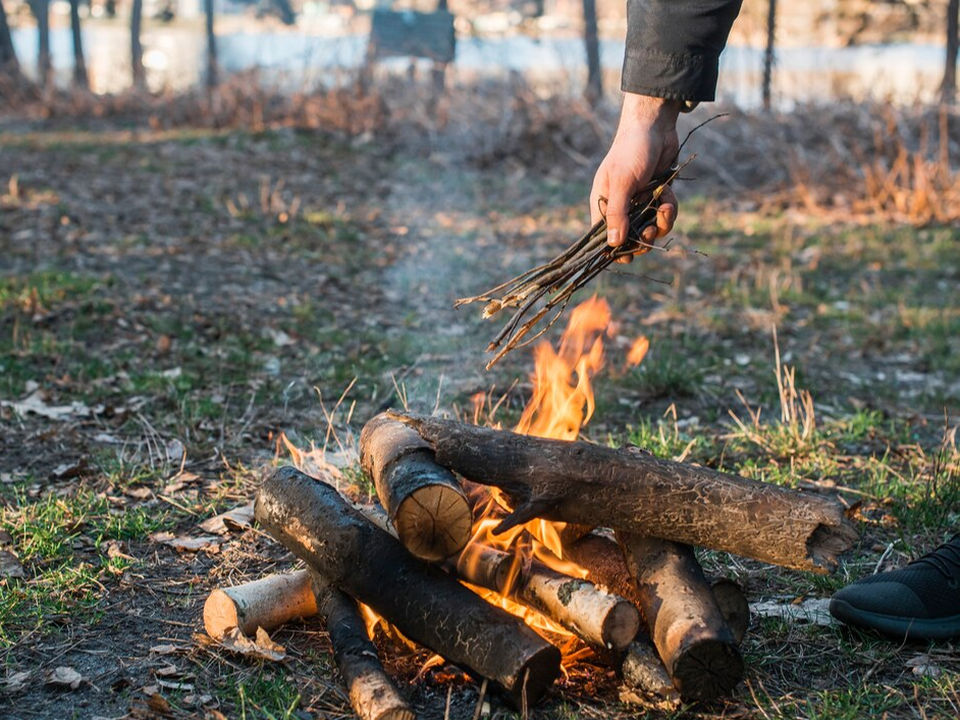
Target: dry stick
{"x":628,"y":489}
{"x":594,"y":615}
{"x":373,"y":694}
{"x":267,"y":603}
{"x":423,"y":500}
{"x":428,"y":606}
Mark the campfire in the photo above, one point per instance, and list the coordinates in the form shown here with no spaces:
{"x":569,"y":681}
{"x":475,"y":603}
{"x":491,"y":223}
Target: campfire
{"x":513,"y":554}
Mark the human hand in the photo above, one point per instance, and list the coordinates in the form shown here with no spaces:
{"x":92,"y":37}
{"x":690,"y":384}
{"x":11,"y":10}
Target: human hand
{"x":646,"y":144}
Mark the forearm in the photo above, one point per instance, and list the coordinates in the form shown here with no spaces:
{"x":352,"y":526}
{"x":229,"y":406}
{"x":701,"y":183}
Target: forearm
{"x":673,"y":47}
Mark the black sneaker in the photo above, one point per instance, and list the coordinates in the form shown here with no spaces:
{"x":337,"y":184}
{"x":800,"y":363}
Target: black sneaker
{"x":918,"y":602}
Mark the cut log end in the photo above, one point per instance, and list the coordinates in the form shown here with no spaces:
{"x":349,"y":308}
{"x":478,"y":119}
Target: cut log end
{"x":826,"y":542}
{"x":434,"y":522}
{"x":536,"y":676}
{"x":621,"y":625}
{"x":219,"y":614}
{"x":708,"y":669}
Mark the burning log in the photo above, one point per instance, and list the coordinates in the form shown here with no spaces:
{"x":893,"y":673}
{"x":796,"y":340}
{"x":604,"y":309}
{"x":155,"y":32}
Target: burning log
{"x":423,"y":500}
{"x":684,"y":620}
{"x":373,"y":694}
{"x":267,"y":603}
{"x":628,"y":489}
{"x":596,"y":616}
{"x":424,"y":603}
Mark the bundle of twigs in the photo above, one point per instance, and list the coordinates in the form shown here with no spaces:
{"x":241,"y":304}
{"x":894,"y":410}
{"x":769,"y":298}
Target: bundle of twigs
{"x":550,"y":286}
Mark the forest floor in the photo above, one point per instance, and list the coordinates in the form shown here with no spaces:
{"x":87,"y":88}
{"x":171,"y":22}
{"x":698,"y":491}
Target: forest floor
{"x":171,"y":302}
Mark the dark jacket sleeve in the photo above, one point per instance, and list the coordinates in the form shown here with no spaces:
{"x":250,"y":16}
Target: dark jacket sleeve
{"x":673,"y":47}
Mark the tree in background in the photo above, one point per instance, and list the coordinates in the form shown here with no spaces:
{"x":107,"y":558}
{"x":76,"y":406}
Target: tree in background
{"x":80,"y":78}
{"x":592,"y":42}
{"x":211,"y":46}
{"x":950,"y":71}
{"x":768,"y":55}
{"x":136,"y":47}
{"x":41,"y":11}
{"x":9,"y":66}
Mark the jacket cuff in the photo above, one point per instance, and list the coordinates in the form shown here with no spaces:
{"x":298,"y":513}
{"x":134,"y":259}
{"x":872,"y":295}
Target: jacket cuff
{"x":691,"y":78}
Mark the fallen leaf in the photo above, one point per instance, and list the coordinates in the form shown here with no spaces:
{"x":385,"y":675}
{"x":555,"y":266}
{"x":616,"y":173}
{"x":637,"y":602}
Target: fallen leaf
{"x":261,"y":647}
{"x":10,"y":566}
{"x":65,"y":677}
{"x":34,"y":404}
{"x":924,"y":666}
{"x":236,"y":520}
{"x":16,"y":682}
{"x":156,"y":702}
{"x":66,"y":471}
{"x":188,"y":544}
{"x":165,"y":649}
{"x":140,"y":493}
{"x":116,"y":549}
{"x":162,"y":537}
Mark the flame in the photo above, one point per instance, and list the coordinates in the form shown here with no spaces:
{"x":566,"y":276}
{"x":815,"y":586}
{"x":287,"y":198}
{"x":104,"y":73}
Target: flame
{"x":638,"y":351}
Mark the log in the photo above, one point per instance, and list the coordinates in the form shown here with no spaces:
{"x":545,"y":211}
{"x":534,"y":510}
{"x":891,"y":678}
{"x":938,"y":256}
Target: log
{"x":603,"y":560}
{"x":423,"y":500}
{"x":629,"y":489}
{"x":594,"y":615}
{"x":373,"y":694}
{"x":267,"y":603}
{"x":424,"y":603}
{"x":644,"y":671}
{"x":684,"y":620}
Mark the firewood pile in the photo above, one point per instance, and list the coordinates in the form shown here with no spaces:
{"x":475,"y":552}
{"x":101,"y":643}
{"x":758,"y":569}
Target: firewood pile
{"x":642,"y":599}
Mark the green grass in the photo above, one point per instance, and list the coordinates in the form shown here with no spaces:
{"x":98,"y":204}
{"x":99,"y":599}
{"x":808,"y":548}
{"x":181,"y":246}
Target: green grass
{"x":270,"y":695}
{"x":59,"y":542}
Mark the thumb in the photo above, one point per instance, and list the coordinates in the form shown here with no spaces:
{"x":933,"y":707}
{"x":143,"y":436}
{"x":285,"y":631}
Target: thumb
{"x":618,"y":215}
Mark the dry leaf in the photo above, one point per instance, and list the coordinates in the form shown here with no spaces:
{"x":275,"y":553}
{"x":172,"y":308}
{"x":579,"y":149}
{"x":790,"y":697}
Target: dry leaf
{"x":924,"y":666}
{"x":140,"y":493}
{"x":236,"y":520}
{"x":66,"y":471}
{"x":165,"y":649}
{"x":16,"y":682}
{"x":65,"y":677}
{"x":10,"y":566}
{"x":188,"y":544}
{"x":262,"y":647}
{"x":34,"y":404}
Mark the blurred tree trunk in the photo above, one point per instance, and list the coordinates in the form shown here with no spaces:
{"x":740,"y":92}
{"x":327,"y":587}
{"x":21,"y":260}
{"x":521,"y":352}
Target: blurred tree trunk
{"x":41,"y":11}
{"x":592,"y":42}
{"x":80,"y":78}
{"x":211,"y":46}
{"x":950,"y":72}
{"x":9,"y":66}
{"x":287,"y":15}
{"x":136,"y":47}
{"x":768,"y":56}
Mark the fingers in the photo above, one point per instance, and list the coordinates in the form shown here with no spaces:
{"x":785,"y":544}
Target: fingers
{"x":618,"y":214}
{"x":667,"y":212}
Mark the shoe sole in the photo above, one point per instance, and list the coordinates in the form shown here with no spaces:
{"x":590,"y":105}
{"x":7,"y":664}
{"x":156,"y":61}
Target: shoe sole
{"x":895,"y":627}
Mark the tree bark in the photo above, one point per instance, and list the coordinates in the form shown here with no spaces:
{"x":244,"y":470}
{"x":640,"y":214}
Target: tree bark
{"x":684,"y":620}
{"x":212,"y":75}
{"x":603,"y":560}
{"x":428,"y":606}
{"x":267,"y":603}
{"x":80,"y":78}
{"x":953,"y":43}
{"x":136,"y":46}
{"x":594,"y":615}
{"x":629,"y":489}
{"x":769,"y":53}
{"x":424,"y":501}
{"x":591,"y":42}
{"x":373,"y":694}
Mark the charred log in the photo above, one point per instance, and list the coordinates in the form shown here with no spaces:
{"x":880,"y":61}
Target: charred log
{"x":629,"y":489}
{"x":373,"y":694}
{"x":423,"y":500}
{"x":428,"y":606}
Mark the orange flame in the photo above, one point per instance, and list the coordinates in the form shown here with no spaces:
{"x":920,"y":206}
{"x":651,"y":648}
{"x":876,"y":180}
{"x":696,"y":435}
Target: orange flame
{"x":638,"y":351}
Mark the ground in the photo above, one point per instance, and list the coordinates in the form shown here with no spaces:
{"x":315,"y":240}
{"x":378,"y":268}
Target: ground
{"x":171,"y":302}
